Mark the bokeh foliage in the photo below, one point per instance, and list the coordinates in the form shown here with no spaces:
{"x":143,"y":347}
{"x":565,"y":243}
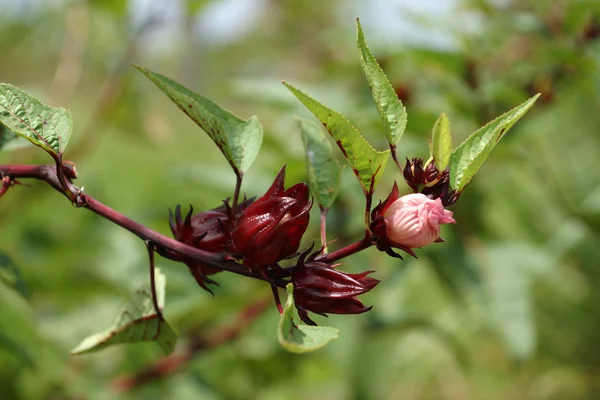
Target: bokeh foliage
{"x":506,"y":308}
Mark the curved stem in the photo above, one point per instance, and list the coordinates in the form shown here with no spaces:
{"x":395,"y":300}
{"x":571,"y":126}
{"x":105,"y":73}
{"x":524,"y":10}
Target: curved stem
{"x":174,"y":249}
{"x":70,"y":190}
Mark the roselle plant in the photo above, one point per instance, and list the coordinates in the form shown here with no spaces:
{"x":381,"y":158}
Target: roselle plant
{"x":261,"y":237}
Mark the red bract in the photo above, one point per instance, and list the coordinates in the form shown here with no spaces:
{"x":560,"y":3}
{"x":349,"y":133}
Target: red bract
{"x":320,"y":288}
{"x":271,"y":228}
{"x":206,"y":230}
{"x":430,"y":181}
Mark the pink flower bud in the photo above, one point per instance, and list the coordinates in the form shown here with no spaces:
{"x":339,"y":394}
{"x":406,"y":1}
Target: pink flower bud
{"x":414,"y":220}
{"x":408,"y":222}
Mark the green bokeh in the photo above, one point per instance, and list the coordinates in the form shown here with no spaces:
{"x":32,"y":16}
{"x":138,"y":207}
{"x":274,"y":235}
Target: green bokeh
{"x":507,"y":308}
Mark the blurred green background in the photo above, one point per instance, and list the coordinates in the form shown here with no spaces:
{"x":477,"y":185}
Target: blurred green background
{"x":507,"y":308}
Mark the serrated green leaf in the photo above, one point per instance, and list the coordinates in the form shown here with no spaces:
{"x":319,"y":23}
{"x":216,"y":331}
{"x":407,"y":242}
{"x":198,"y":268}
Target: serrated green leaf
{"x":239,"y":140}
{"x":467,"y":158}
{"x":301,"y":338}
{"x":324,"y":172}
{"x":391,"y":110}
{"x":47,"y":127}
{"x":440,"y":146}
{"x":366,"y":162}
{"x":137,"y":322}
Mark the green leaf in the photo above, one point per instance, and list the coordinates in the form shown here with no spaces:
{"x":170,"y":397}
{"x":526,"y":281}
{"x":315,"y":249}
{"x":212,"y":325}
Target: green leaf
{"x":366,"y":162}
{"x":390,"y":108}
{"x":46,"y":127}
{"x":137,"y":322}
{"x":239,"y":140}
{"x":467,"y":158}
{"x":10,"y":275}
{"x":440,"y":146}
{"x":10,"y":140}
{"x":301,"y":338}
{"x":324,"y":172}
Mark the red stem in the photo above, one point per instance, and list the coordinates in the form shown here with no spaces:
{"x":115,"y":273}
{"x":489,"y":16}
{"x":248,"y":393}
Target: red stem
{"x":183,"y":251}
{"x":348,"y":250}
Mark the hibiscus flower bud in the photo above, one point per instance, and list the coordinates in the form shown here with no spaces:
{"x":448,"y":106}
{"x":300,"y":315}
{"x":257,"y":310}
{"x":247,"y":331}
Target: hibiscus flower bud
{"x":320,"y":288}
{"x":271,"y":228}
{"x":408,"y":222}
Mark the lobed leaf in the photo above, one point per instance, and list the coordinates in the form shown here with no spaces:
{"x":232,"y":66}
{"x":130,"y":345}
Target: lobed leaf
{"x":137,"y":322}
{"x":366,"y":162}
{"x":391,"y":110}
{"x":239,"y":140}
{"x":46,"y":127}
{"x":467,"y":158}
{"x":440,"y":146}
{"x":301,"y":338}
{"x":324,"y":172}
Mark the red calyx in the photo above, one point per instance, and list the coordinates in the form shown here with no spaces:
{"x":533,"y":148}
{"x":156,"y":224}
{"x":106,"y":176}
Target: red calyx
{"x":271,"y":228}
{"x":320,"y":288}
{"x":430,"y":181}
{"x":207,"y":230}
